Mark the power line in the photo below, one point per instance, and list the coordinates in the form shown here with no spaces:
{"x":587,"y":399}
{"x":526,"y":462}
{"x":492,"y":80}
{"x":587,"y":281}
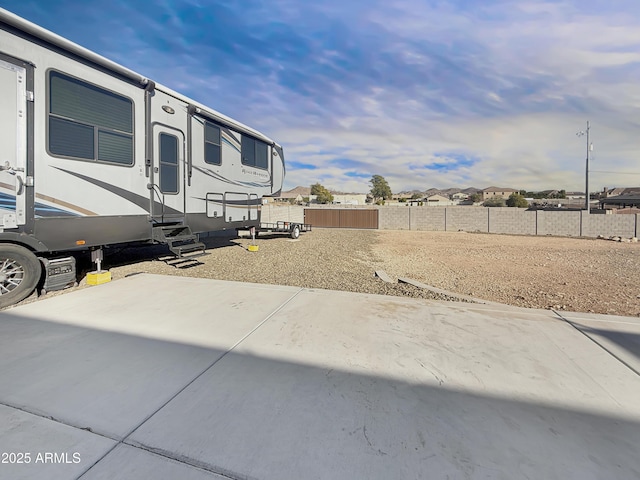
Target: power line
{"x":621,"y":173}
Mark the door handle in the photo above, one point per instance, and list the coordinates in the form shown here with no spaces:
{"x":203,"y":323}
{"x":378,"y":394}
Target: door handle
{"x":20,"y":185}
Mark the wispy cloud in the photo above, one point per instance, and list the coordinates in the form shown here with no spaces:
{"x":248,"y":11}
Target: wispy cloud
{"x":426,"y":93}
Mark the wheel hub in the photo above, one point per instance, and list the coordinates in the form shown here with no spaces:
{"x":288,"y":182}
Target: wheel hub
{"x":11,"y":275}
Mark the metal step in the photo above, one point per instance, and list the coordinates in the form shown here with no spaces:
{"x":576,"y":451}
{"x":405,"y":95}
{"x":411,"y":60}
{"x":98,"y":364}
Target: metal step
{"x":189,"y":250}
{"x":180,"y":240}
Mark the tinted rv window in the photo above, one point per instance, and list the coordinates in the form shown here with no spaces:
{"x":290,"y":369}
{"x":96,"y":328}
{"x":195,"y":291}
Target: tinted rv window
{"x":168,"y":163}
{"x":88,"y":122}
{"x":212,"y":152}
{"x":254,"y":153}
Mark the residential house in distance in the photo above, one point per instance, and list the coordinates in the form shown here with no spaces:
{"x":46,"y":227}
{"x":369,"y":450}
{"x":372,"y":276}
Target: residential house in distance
{"x":550,"y":193}
{"x":616,"y":192}
{"x":459,"y":197}
{"x":438,"y":201}
{"x":620,"y":200}
{"x":350,"y":198}
{"x":294,"y":195}
{"x":497,"y":192}
{"x":575,"y":195}
{"x":613,"y":192}
{"x":621,"y":203}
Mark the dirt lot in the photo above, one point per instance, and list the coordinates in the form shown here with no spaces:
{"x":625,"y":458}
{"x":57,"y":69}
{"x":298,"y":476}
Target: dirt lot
{"x":584,"y":275}
{"x":541,"y":272}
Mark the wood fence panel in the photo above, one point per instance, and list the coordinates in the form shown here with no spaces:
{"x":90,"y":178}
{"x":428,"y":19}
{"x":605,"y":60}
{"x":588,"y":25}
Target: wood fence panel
{"x":359,"y":218}
{"x":341,"y":218}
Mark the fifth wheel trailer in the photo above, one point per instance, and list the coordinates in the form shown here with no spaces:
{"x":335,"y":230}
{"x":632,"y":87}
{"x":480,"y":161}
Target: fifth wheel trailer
{"x":93,"y":154}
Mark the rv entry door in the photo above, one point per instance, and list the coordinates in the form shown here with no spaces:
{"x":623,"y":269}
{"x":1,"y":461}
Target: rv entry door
{"x":13,"y":143}
{"x":168,"y":173}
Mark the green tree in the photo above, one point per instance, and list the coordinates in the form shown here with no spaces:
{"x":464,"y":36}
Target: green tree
{"x":517,"y":200}
{"x":322,"y":194}
{"x":380,"y":188}
{"x":494,"y":202}
{"x":416,"y":196}
{"x":476,"y":197}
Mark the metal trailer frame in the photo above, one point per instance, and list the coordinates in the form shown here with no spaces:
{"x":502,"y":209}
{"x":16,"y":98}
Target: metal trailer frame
{"x":293,"y":229}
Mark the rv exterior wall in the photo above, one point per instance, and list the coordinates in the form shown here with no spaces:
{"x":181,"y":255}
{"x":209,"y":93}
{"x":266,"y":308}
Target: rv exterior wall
{"x":99,"y":155}
{"x":73,"y":183}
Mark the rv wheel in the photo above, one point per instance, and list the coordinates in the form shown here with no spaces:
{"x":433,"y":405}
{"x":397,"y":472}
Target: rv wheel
{"x":20,"y":272}
{"x":295,"y":231}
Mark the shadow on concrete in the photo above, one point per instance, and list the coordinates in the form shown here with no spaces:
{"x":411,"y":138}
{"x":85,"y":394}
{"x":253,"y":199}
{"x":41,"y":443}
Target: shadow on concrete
{"x":628,"y":341}
{"x":246,"y":416}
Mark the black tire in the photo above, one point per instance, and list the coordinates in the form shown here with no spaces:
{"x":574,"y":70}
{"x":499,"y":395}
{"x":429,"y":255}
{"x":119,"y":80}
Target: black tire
{"x":295,"y":232}
{"x":20,"y":272}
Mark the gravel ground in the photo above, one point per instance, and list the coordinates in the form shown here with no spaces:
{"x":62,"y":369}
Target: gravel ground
{"x":539,"y":272}
{"x":324,"y":258}
{"x":575,"y":274}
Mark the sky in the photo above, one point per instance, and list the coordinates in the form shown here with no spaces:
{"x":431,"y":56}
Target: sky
{"x":426,"y":93}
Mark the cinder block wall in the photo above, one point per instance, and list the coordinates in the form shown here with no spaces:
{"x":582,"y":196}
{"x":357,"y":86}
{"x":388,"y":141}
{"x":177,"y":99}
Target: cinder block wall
{"x":282,"y":213}
{"x":468,"y":219}
{"x":393,"y":218}
{"x":515,"y":221}
{"x":610,"y":225}
{"x":563,"y":223}
{"x":427,"y":218}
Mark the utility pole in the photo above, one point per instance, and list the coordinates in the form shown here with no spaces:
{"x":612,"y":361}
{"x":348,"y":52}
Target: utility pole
{"x":586,"y":173}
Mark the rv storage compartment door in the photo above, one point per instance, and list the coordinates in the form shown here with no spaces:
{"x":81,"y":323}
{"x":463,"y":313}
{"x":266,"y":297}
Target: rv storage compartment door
{"x":236,"y":207}
{"x":215,"y":207}
{"x":13,"y":144}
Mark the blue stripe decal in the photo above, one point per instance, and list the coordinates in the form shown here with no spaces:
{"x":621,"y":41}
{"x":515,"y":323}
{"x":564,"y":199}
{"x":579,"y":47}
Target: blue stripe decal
{"x":8,"y":202}
{"x":42,"y":210}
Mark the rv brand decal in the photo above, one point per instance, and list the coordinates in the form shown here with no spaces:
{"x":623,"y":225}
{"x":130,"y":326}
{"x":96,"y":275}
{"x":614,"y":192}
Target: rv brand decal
{"x":256,"y":173}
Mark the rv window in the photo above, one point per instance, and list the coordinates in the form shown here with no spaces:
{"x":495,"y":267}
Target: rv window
{"x":212,"y":152}
{"x":88,"y":122}
{"x":261,"y":155}
{"x":254,"y":153}
{"x":168,"y":163}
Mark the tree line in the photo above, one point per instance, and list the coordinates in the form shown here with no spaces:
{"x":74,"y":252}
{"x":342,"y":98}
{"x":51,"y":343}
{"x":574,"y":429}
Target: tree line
{"x":381,"y":191}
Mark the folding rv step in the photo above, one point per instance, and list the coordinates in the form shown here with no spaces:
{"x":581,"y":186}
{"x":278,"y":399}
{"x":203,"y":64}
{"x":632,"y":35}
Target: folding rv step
{"x":190,"y":250}
{"x":180,"y":240}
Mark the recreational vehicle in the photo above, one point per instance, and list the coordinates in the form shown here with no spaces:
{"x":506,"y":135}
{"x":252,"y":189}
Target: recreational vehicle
{"x":93,"y":154}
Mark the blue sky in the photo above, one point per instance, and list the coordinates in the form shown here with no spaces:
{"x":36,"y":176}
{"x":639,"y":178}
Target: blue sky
{"x":427,"y":93}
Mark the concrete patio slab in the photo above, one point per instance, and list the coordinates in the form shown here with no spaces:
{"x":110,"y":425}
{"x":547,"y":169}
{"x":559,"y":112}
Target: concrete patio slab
{"x":266,"y":382}
{"x":35,"y":447}
{"x":129,"y":463}
{"x":106,"y":358}
{"x":618,"y":335}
